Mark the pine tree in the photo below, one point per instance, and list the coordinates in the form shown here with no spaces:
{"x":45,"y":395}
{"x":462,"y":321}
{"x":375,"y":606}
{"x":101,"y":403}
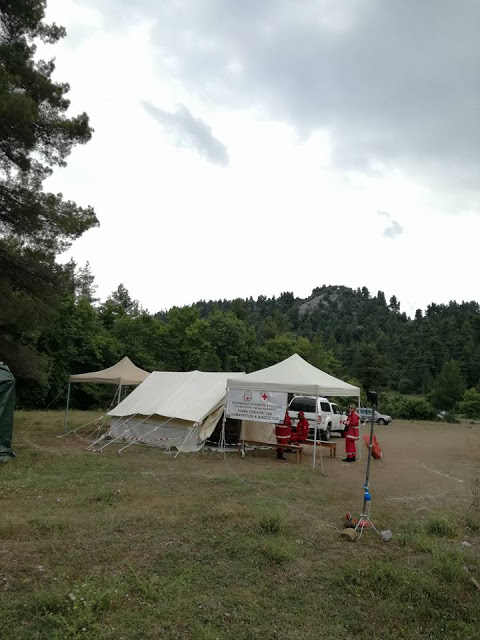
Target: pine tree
{"x":35,"y":136}
{"x":448,"y":387}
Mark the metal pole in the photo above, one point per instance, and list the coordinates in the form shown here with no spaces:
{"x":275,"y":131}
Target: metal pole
{"x":367,"y":477}
{"x":223,"y":439}
{"x":65,"y":421}
{"x":119,"y":393}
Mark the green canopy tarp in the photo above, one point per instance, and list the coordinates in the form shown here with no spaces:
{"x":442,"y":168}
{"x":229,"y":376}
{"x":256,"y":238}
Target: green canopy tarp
{"x":7,"y":402}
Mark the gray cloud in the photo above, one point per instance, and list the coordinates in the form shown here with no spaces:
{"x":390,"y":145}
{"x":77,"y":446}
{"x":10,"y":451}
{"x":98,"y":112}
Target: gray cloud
{"x":190,"y":132}
{"x":393,"y":228}
{"x":396,"y":83}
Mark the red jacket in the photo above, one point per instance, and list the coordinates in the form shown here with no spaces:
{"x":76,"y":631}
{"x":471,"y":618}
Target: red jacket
{"x":301,"y":433}
{"x":351,"y":424}
{"x":302,"y":429}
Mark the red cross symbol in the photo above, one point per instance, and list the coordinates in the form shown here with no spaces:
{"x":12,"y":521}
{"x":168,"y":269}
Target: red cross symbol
{"x":264,"y":396}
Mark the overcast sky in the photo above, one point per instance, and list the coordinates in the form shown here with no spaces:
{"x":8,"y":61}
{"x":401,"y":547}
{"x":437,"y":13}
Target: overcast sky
{"x":247,"y":147}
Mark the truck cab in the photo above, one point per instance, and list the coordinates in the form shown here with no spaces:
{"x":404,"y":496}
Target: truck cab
{"x":329,"y":415}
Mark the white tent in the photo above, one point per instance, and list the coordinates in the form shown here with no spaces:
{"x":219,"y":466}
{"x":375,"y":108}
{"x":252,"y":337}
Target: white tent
{"x":172,"y":409}
{"x":293,"y":375}
{"x":122,"y":374}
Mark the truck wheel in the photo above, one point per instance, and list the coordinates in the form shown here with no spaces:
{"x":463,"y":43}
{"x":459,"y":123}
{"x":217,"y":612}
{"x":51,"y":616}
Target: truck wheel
{"x":325,"y":435}
{"x":381,"y":421}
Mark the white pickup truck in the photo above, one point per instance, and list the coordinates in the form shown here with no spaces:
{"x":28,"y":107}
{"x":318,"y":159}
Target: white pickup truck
{"x":329,"y":415}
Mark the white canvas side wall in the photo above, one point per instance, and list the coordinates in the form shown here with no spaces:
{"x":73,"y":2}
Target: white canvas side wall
{"x":167,"y":433}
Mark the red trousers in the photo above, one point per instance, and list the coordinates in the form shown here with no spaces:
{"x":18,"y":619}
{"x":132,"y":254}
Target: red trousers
{"x":283,"y":434}
{"x":350,"y":448}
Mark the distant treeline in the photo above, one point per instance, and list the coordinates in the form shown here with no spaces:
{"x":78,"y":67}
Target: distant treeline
{"x":351,"y":334}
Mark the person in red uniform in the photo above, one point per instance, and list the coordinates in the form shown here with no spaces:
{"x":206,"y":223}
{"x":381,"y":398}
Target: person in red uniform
{"x":301,"y":433}
{"x":283,"y":433}
{"x":351,"y":434}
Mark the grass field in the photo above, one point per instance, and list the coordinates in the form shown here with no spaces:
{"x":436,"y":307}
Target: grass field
{"x":141,"y":545}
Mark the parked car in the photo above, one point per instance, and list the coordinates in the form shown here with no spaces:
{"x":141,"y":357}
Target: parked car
{"x":329,"y":415}
{"x":366,"y":416}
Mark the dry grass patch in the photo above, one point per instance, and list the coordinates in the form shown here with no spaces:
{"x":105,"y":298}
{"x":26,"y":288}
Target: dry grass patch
{"x":144,"y":546}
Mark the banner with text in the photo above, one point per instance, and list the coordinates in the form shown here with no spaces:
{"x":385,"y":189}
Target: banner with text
{"x":260,"y":406}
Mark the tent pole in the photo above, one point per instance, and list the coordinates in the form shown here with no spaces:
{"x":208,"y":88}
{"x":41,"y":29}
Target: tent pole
{"x":65,"y":421}
{"x":119,"y":393}
{"x":223,"y":441}
{"x":315,"y":433}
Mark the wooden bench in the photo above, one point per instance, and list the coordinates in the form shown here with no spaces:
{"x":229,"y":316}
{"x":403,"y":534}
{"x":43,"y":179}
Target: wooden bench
{"x":284,"y":447}
{"x":326,"y":443}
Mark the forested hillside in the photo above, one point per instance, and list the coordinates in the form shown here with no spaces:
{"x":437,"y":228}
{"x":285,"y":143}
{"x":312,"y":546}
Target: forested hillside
{"x":349,"y":333}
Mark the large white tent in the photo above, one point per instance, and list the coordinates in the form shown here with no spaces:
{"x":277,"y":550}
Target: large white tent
{"x":172,"y":409}
{"x":293,"y":375}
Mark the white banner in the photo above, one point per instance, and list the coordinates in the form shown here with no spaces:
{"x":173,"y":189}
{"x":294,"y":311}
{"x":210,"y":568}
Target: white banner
{"x":260,"y":406}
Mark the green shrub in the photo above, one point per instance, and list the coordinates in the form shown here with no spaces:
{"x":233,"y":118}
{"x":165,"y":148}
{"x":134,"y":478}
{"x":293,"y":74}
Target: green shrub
{"x":418,"y":409}
{"x":271,"y":524}
{"x":447,"y":564}
{"x":440,"y":527}
{"x":472,"y":522}
{"x":108,"y":497}
{"x":408,"y":408}
{"x":46,"y":527}
{"x":74,"y":614}
{"x":470,"y":405}
{"x":276,"y":552}
{"x":393,"y":405}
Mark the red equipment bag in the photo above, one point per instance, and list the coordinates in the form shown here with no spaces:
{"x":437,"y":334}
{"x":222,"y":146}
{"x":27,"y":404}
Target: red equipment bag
{"x":376,"y":451}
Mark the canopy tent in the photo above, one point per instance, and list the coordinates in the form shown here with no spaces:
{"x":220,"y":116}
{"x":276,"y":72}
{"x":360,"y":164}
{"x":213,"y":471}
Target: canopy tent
{"x":122,"y":374}
{"x":7,"y":402}
{"x":172,"y":409}
{"x":293,"y":375}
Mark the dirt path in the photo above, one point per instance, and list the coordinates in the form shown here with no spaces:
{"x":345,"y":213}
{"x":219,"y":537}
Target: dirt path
{"x":422,"y":463}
